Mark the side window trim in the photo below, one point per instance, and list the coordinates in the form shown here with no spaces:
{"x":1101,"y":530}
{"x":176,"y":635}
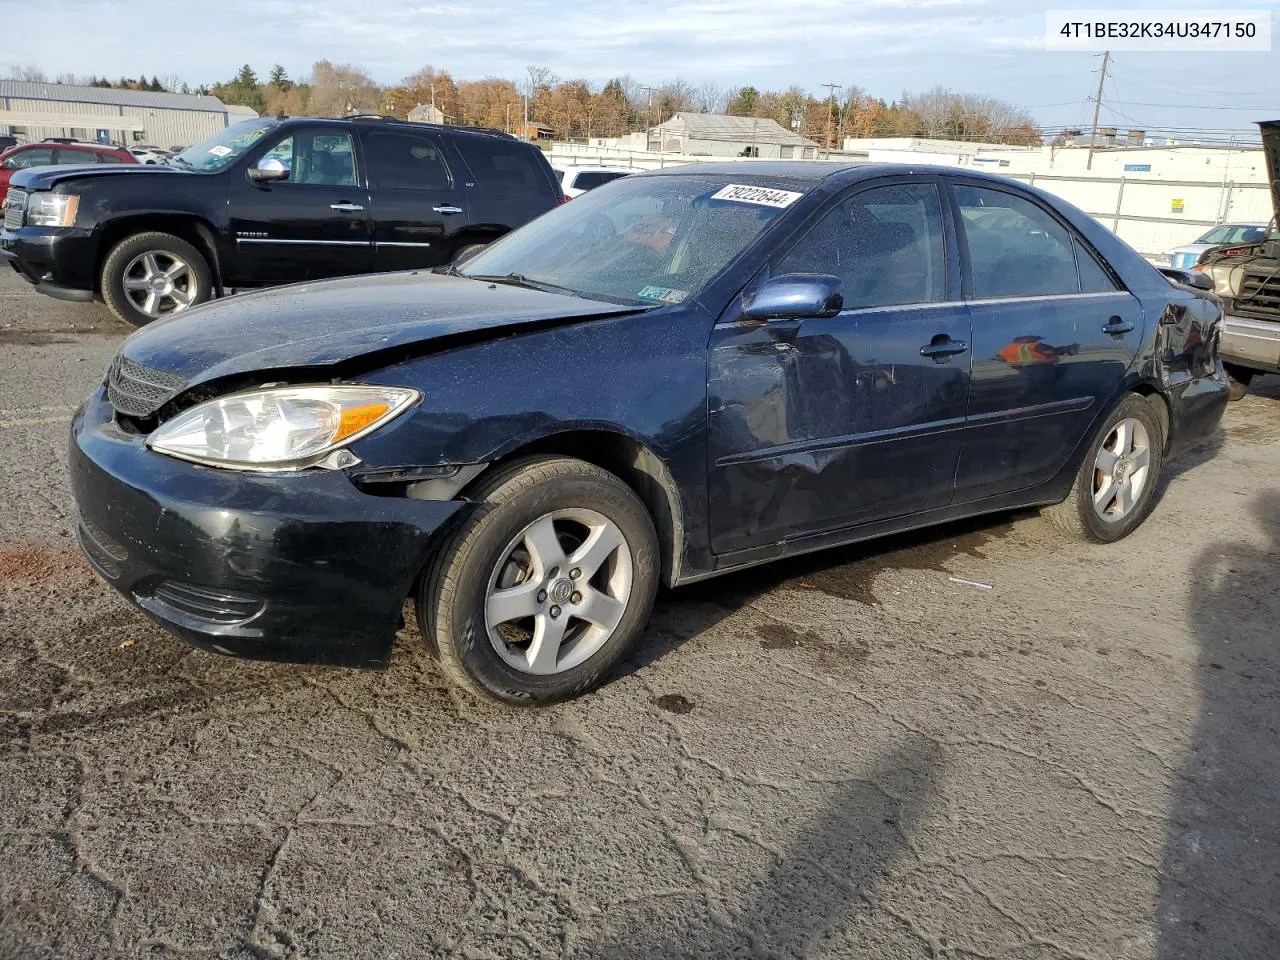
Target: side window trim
{"x":952,"y":294}
{"x":1077,"y":242}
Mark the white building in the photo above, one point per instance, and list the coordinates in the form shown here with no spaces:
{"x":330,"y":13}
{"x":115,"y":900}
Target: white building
{"x":719,"y":135}
{"x":36,"y":111}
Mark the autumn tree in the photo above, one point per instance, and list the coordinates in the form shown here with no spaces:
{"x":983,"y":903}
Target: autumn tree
{"x":426,"y":86}
{"x":489,"y":103}
{"x":337,"y":89}
{"x":612,"y":110}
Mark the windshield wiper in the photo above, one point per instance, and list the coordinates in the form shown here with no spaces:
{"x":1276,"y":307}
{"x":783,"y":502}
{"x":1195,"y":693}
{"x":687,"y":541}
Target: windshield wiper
{"x":520,"y":280}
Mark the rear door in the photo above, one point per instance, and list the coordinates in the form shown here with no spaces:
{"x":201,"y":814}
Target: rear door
{"x":1053,"y":334}
{"x":831,"y":422}
{"x":314,"y":224}
{"x":419,"y":207}
{"x":510,"y":183}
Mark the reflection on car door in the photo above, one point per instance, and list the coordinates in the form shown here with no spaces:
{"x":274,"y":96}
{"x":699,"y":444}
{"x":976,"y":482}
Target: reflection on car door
{"x":832,"y":422}
{"x":1053,"y":335}
{"x":417,"y":202}
{"x":314,"y":224}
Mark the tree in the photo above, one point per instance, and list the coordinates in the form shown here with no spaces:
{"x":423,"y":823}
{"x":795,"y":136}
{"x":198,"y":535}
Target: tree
{"x":428,"y":85}
{"x":742,"y":102}
{"x":710,"y":97}
{"x":339,"y":88}
{"x":28,"y":73}
{"x":156,"y":85}
{"x":489,"y":103}
{"x":243,"y":90}
{"x":280,"y":79}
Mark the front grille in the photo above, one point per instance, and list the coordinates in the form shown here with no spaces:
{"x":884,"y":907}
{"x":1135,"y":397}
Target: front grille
{"x":1260,"y":293}
{"x":15,"y":209}
{"x":206,"y":603}
{"x":139,"y":391}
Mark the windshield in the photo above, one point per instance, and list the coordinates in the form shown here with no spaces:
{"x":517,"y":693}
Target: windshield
{"x":218,"y":151}
{"x":1234,"y":233}
{"x":643,"y":240}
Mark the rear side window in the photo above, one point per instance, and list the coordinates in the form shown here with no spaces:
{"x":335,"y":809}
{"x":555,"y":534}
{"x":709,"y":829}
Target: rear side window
{"x":1093,"y":278}
{"x":404,"y":160}
{"x":504,"y":166}
{"x":109,"y":158}
{"x":65,"y":155}
{"x":884,"y":243}
{"x":1015,"y":248}
{"x":37,"y":157}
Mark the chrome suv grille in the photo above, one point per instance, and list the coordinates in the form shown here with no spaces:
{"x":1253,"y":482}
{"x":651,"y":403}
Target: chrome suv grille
{"x":139,"y":391}
{"x":15,"y":209}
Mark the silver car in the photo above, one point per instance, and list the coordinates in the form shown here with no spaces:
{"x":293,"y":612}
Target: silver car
{"x":1185,"y":256}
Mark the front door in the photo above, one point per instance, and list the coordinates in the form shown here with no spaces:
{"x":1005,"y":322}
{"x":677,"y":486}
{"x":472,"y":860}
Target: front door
{"x":832,"y":422}
{"x":1053,"y":335}
{"x":418,"y":203}
{"x":312,"y":225}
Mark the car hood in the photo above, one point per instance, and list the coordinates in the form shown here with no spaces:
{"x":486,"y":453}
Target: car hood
{"x":46,"y":178}
{"x":329,"y":323}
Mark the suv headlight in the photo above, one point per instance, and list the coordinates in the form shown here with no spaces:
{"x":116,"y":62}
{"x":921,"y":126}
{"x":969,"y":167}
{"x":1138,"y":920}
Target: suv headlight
{"x":279,"y":428}
{"x":52,"y":209}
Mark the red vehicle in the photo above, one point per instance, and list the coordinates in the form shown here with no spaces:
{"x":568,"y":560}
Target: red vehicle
{"x":49,"y":153}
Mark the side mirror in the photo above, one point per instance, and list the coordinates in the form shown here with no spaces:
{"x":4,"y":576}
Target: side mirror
{"x":269,"y":170}
{"x":1188,"y":278}
{"x":795,"y":296}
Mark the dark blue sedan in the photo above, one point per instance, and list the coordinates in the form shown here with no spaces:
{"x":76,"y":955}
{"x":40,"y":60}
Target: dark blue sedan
{"x":678,"y":375}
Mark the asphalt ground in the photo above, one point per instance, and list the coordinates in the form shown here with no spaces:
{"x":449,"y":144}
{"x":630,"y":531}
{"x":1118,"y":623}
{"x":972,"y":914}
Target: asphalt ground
{"x":854,"y":754}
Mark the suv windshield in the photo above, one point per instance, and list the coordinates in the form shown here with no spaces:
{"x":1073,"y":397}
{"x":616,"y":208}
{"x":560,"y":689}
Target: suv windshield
{"x":643,"y":240}
{"x":218,"y":151}
{"x":1234,"y":233}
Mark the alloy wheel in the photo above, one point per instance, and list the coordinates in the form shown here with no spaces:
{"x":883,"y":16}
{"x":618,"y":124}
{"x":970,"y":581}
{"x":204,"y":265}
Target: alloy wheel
{"x":158,"y":284}
{"x":1120,"y":470}
{"x":558,"y":591}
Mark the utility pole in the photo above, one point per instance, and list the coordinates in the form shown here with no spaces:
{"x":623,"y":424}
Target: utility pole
{"x":1097,"y":105}
{"x":831,"y":101}
{"x":648,"y":115}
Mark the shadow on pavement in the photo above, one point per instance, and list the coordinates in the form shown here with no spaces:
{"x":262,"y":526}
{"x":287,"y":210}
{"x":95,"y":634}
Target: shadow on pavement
{"x":1220,"y":895}
{"x":820,"y":890}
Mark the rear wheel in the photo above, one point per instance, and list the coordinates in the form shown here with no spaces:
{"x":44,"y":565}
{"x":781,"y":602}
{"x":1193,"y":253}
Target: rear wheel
{"x":1116,"y":486}
{"x":150,"y":276}
{"x":1238,"y":380}
{"x":545,"y":587}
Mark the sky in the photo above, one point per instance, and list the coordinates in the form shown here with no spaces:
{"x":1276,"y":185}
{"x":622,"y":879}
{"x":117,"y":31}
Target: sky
{"x":886,"y":47}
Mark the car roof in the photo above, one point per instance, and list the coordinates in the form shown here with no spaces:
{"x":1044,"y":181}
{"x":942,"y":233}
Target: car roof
{"x":596,"y":168}
{"x":816,"y":171}
{"x":76,"y":144}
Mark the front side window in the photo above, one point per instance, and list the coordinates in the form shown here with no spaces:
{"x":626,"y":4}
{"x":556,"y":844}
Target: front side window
{"x":1016,"y":249}
{"x":325,"y":159}
{"x":1234,"y":233}
{"x":404,"y":160}
{"x":645,"y":240}
{"x":885,"y":244}
{"x":36,"y":157}
{"x":218,"y":151}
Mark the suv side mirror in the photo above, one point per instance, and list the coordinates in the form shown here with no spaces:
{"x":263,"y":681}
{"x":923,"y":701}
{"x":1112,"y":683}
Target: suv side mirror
{"x":795,"y":296}
{"x":269,"y":170}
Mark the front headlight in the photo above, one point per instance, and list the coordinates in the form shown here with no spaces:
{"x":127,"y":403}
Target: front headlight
{"x":52,"y":209}
{"x":279,"y":428}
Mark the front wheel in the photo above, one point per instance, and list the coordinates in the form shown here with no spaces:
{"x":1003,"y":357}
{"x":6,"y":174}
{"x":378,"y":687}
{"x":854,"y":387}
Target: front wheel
{"x":1116,"y":486}
{"x":1238,"y":380}
{"x":150,"y":276}
{"x":545,"y":586}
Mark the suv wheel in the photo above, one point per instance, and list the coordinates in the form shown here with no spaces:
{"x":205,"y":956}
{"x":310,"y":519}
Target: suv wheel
{"x":1238,"y":380}
{"x":545,"y":586}
{"x":1116,"y":486}
{"x":150,"y":276}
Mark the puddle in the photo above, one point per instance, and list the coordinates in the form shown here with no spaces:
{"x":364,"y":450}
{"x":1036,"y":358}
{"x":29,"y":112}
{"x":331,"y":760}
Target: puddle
{"x":777,"y":636}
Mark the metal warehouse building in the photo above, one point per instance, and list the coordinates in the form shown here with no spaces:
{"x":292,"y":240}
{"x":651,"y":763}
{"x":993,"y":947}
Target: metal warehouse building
{"x":36,"y":111}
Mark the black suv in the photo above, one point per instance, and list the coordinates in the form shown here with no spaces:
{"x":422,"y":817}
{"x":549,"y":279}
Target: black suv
{"x":270,"y":201}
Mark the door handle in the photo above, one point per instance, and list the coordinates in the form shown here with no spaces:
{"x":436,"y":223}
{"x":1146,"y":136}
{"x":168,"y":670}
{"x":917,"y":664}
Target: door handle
{"x":1117,"y":327}
{"x":447,"y":209}
{"x":942,"y":348}
{"x":346,"y":207}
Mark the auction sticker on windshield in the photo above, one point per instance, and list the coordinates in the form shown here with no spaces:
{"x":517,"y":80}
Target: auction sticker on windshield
{"x":662,"y":294}
{"x":764,"y":196}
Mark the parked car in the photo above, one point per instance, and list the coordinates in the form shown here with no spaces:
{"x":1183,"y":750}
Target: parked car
{"x":575,"y":181}
{"x":1247,"y":278}
{"x":61,"y":154}
{"x":270,"y":201}
{"x":150,"y":155}
{"x":7,"y":141}
{"x":1186,"y":256}
{"x":694,"y":371}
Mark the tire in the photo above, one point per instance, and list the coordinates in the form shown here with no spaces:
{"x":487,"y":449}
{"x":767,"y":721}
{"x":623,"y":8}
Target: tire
{"x":496,"y":552}
{"x":1077,"y":515}
{"x":127,"y":262}
{"x":466,"y":251}
{"x":1238,"y":380}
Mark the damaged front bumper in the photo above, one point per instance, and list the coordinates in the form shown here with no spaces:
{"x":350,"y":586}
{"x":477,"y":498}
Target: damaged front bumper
{"x":302,"y":567}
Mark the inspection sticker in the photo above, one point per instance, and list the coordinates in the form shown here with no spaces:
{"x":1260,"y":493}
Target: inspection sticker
{"x":764,"y":196}
{"x":662,"y":294}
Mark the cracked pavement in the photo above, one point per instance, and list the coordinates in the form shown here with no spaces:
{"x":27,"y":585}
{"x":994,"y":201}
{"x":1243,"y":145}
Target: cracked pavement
{"x":847,"y":755}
